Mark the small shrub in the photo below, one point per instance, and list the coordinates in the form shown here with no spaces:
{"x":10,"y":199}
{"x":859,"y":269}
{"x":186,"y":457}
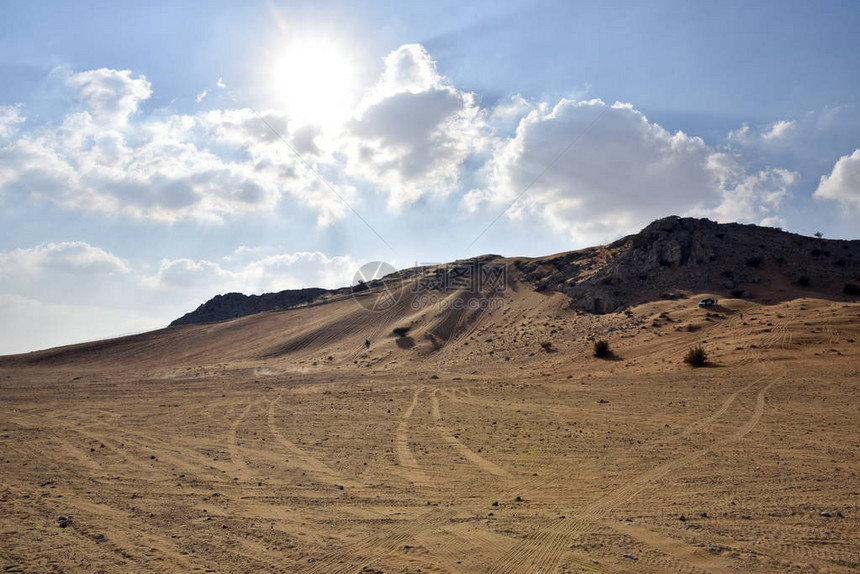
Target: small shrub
{"x":546,"y":345}
{"x":601,"y":348}
{"x":400,"y":331}
{"x":696,"y":356}
{"x":851,"y":289}
{"x":803,"y":281}
{"x":754,"y":262}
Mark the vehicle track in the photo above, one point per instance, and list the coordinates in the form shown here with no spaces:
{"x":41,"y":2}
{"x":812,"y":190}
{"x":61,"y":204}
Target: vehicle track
{"x":405,"y":457}
{"x":305,"y":461}
{"x":678,"y":549}
{"x":545,"y":549}
{"x":467,"y":453}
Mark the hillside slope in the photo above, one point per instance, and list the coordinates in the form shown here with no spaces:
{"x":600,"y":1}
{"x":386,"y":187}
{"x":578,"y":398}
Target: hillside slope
{"x":521,"y":302}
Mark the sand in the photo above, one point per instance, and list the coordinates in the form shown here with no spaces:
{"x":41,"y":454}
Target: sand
{"x":278,"y":443}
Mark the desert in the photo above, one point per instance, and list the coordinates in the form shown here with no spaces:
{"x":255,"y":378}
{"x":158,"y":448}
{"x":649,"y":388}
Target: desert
{"x":482,"y":439}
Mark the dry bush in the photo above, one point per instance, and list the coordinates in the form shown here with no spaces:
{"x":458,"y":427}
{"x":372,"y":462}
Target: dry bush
{"x":696,"y":356}
{"x":601,"y":348}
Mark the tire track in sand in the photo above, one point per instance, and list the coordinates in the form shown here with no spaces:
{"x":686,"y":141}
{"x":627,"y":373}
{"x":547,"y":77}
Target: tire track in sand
{"x":453,"y":441}
{"x":305,"y":461}
{"x":545,"y":549}
{"x":405,"y":458}
{"x":678,"y":549}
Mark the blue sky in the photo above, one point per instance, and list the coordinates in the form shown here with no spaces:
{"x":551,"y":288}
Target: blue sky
{"x":155,"y":154}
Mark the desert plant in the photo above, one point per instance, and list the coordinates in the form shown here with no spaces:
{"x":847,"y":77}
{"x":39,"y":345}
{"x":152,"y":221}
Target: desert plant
{"x":601,"y":348}
{"x":803,"y":281}
{"x":546,"y":345}
{"x":400,"y":331}
{"x":696,"y":356}
{"x":851,"y":289}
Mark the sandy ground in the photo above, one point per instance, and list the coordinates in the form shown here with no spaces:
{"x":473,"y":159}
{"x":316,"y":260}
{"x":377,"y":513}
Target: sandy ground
{"x":179,"y":452}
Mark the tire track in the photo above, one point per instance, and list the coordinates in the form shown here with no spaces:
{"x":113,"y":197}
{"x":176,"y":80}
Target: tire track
{"x":546,"y":548}
{"x":306,"y":461}
{"x":678,"y":549}
{"x":405,"y":458}
{"x":467,"y":453}
{"x":232,"y":440}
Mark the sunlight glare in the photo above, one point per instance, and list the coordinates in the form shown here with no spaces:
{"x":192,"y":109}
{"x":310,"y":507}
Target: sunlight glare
{"x":313,"y":80}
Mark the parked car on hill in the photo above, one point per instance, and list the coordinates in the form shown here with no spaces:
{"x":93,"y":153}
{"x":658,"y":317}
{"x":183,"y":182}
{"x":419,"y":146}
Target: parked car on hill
{"x":707,"y":302}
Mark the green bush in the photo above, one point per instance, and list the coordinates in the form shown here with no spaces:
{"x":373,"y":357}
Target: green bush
{"x":696,"y":356}
{"x":601,"y":348}
{"x":546,"y":345}
{"x":400,"y":331}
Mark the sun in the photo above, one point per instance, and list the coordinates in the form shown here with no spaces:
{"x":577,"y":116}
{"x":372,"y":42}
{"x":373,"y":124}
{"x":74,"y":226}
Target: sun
{"x":313,"y":80}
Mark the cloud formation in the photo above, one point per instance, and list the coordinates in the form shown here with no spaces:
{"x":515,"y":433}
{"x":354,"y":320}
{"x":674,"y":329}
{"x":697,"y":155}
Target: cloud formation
{"x":843,"y":183}
{"x":209,"y":166}
{"x":109,"y":96}
{"x":769,"y":133}
{"x":65,"y":257}
{"x":592,"y":170}
{"x":595,"y":171}
{"x":67,"y":272}
{"x":268,"y":274}
{"x":60,"y":293}
{"x":414,"y":130}
{"x":10,"y":118}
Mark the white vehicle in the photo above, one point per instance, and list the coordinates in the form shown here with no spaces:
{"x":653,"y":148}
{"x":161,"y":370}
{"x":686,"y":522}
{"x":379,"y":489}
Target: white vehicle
{"x":707,"y":302}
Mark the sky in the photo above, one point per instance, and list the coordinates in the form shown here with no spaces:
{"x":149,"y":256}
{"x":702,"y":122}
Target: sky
{"x":155,"y":154}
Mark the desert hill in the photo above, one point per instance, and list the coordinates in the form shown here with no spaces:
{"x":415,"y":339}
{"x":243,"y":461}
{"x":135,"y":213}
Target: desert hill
{"x":673,"y":259}
{"x":670,"y":255}
{"x":234,"y":305}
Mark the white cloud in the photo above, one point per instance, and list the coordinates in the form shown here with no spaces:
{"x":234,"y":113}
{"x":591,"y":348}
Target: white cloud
{"x":62,"y":293}
{"x":773,"y":221}
{"x":766,"y":134}
{"x":10,"y":117}
{"x":67,"y":257}
{"x":843,"y":183}
{"x":162,"y":176}
{"x":752,"y":198}
{"x":271,"y":273}
{"x":201,"y":96}
{"x":72,"y":271}
{"x":413,"y":130}
{"x":597,"y":171}
{"x":205,"y":167}
{"x":109,"y":96}
{"x":779,"y":130}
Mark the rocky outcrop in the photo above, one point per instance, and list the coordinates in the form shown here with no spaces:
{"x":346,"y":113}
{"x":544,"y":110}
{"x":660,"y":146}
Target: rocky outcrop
{"x":233,"y":305}
{"x":696,"y":255}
